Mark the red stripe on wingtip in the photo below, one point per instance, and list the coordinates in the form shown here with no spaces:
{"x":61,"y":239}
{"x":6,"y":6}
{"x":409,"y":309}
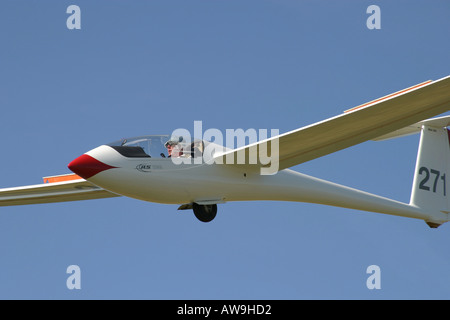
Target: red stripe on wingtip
{"x":86,"y":166}
{"x":389,"y":96}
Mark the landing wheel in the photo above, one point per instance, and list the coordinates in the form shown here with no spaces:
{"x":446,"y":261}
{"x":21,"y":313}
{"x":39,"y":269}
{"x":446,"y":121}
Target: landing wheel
{"x":205,"y":213}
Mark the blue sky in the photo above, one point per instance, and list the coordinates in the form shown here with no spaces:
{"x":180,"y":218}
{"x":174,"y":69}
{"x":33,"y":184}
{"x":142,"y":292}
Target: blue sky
{"x":149,"y":67}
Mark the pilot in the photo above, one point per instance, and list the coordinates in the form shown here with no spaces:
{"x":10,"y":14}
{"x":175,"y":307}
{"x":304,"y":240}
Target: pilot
{"x":173,"y":147}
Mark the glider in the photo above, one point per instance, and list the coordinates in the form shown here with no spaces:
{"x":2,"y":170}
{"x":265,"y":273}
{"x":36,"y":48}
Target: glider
{"x":143,"y":168}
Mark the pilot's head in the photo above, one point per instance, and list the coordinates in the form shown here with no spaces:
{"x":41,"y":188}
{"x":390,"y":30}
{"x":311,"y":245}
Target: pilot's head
{"x":170,"y":147}
{"x":172,"y":143}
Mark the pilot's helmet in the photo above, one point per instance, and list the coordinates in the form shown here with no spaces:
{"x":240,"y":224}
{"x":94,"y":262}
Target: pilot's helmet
{"x":174,"y":140}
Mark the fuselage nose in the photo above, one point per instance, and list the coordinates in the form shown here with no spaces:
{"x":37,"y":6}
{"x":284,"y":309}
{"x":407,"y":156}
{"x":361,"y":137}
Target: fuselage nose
{"x":87,"y":166}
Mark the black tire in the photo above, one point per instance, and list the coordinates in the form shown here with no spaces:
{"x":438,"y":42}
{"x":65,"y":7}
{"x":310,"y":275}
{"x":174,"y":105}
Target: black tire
{"x":204,"y":213}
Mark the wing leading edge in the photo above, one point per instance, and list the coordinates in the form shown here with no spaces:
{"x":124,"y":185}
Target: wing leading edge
{"x":62,"y":191}
{"x":354,"y":126}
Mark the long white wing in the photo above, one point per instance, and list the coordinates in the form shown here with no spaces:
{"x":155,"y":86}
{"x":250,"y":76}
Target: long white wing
{"x":356,"y":125}
{"x":61,"y":191}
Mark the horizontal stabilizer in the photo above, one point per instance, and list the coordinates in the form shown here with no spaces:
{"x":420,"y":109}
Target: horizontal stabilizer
{"x":440,"y":122}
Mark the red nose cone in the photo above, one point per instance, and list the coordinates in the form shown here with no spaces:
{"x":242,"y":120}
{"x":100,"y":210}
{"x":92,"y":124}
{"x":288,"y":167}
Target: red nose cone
{"x":86,"y":166}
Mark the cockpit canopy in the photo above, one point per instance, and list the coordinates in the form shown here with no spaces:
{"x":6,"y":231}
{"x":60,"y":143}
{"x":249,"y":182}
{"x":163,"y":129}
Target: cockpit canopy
{"x":156,"y":146}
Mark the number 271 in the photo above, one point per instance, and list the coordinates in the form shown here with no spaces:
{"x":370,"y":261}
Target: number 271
{"x":437,"y":175}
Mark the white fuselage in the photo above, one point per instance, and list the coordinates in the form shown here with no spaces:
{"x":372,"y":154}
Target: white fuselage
{"x":162,"y":181}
